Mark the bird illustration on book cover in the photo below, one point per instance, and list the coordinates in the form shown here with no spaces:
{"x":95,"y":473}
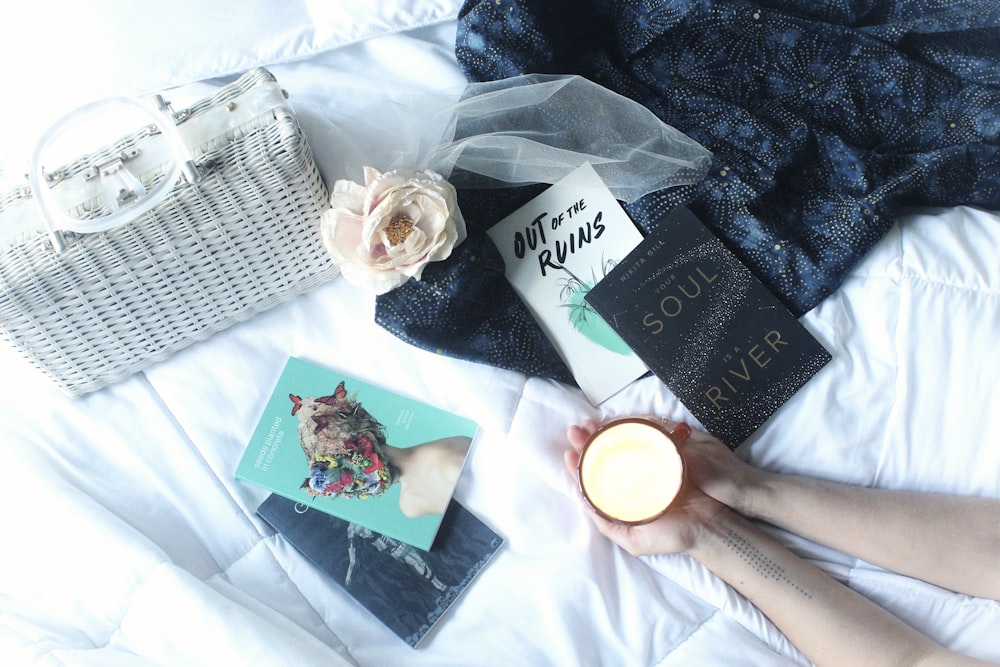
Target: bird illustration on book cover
{"x":343,"y":444}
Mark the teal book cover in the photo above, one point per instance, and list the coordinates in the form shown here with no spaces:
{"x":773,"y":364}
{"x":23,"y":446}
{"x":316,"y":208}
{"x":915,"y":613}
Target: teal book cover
{"x":359,"y":452}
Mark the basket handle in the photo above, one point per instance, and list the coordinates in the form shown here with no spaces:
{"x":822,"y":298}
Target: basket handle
{"x":124,"y":194}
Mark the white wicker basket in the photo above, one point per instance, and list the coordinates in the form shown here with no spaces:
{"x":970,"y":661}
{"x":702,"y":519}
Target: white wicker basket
{"x":242,"y":239}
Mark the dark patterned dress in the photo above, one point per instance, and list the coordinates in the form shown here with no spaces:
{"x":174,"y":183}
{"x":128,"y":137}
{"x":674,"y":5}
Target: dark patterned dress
{"x":826,"y":120}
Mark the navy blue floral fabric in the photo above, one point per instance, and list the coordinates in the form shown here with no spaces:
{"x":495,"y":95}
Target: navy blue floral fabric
{"x":826,"y":119}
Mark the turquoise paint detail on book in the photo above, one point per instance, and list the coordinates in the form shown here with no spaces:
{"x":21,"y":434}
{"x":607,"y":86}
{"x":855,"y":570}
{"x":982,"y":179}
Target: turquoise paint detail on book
{"x":591,"y":325}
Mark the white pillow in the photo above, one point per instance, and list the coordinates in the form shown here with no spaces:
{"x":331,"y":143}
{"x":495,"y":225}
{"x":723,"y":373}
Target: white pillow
{"x":61,"y":54}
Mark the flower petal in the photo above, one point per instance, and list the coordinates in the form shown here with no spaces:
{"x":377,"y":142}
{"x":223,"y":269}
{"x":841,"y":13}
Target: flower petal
{"x":371,"y":175}
{"x":387,"y":231}
{"x":340,"y":230}
{"x":349,"y":195}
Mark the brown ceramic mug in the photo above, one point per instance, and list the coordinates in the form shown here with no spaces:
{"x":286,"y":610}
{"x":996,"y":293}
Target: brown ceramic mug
{"x":631,"y":470}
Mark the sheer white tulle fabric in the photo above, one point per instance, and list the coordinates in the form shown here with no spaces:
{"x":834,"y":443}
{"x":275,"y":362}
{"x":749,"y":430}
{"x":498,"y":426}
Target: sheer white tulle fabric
{"x":523,"y":130}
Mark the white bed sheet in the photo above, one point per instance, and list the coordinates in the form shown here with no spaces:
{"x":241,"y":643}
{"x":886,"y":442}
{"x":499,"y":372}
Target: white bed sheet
{"x":127,"y":540}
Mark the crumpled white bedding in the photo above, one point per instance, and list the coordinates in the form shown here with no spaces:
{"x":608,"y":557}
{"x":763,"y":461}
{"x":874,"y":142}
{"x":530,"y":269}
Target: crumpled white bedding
{"x":127,"y":540}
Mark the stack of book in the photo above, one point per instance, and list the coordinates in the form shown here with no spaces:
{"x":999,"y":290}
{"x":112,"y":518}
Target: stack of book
{"x":362,"y":480}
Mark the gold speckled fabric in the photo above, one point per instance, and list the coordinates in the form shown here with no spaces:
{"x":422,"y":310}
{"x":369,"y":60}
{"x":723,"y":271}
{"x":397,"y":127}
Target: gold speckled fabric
{"x":826,"y":119}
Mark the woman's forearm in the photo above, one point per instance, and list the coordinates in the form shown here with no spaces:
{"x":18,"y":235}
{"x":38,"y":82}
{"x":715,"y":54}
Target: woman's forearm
{"x":828,"y":622}
{"x":951,"y":541}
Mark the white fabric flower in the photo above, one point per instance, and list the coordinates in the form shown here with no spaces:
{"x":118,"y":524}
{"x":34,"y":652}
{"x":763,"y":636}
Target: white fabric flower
{"x":385,"y":232}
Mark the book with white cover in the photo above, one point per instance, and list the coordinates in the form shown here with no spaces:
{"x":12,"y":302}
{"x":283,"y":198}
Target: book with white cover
{"x":555,"y":249}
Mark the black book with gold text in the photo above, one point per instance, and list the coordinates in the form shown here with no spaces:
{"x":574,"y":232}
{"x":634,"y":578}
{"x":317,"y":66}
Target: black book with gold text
{"x":707,"y":327}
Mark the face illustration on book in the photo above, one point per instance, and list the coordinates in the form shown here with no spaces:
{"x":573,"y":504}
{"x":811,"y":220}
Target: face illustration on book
{"x":348,"y":456}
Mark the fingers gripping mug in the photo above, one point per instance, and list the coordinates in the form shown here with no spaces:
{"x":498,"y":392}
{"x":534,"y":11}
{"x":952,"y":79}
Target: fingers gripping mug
{"x":631,"y":470}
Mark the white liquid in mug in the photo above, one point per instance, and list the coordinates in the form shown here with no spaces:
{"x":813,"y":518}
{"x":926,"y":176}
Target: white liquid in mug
{"x":631,"y":471}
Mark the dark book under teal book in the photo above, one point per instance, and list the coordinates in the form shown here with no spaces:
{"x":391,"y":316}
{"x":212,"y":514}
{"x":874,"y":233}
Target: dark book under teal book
{"x":707,"y":327}
{"x":406,"y":588}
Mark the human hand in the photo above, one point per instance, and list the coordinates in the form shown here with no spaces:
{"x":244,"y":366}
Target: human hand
{"x":719,"y":472}
{"x":678,"y":530}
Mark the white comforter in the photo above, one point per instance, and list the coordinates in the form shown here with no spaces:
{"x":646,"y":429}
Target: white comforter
{"x":127,"y":540}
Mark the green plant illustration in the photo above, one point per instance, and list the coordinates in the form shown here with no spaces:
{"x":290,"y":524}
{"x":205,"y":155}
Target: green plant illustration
{"x":583,"y":317}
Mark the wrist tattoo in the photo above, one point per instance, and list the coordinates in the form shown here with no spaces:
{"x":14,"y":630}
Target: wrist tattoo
{"x":759,"y":562}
